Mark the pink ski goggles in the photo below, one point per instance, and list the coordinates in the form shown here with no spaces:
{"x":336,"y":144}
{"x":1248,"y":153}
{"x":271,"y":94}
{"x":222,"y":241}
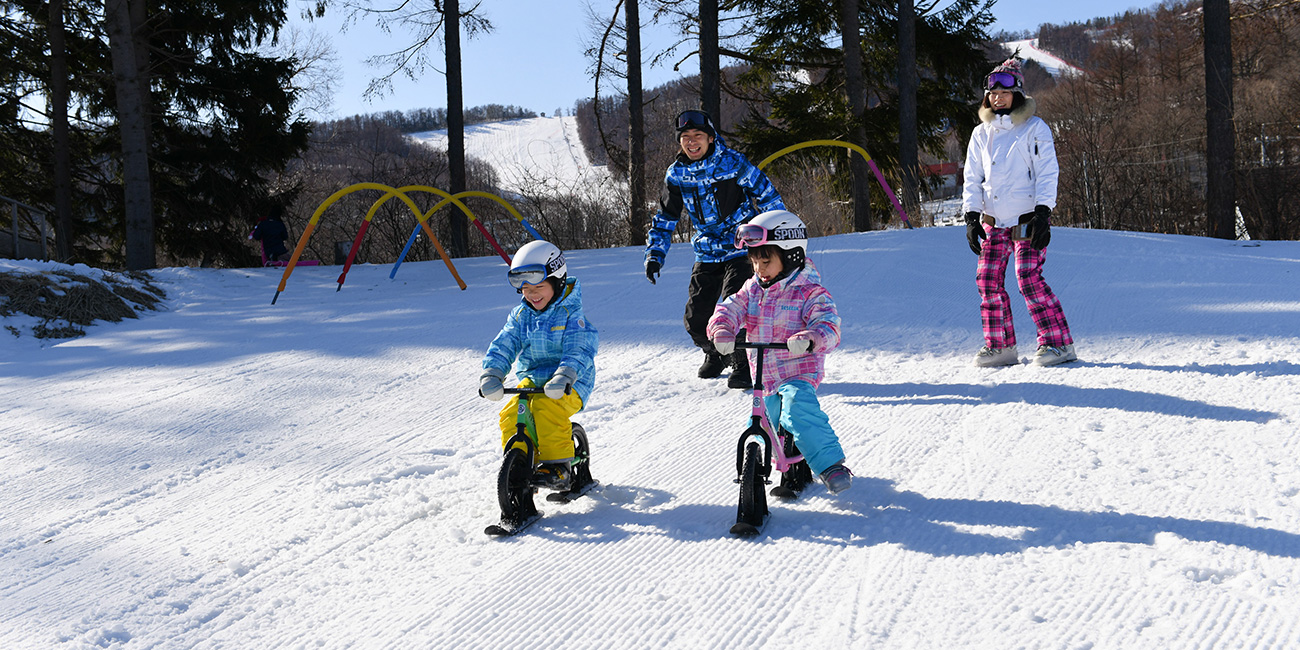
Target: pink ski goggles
{"x":748,"y":235}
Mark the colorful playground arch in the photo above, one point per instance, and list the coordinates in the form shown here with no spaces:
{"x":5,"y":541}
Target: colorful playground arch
{"x":467,"y":194}
{"x":389,"y":192}
{"x":848,"y":145}
{"x":422,"y":222}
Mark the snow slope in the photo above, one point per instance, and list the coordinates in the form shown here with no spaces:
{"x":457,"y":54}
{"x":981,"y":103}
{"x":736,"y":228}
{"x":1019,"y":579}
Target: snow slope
{"x":317,"y":474}
{"x":1028,"y":49}
{"x":534,"y":155}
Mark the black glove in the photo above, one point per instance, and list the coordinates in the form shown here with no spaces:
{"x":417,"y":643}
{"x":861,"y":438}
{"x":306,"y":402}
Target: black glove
{"x":974,"y":231}
{"x":1040,"y":229}
{"x":652,"y":267}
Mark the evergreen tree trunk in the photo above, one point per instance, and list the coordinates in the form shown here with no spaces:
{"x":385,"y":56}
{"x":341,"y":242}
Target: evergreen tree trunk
{"x":851,"y":38}
{"x":459,"y":243}
{"x":58,"y":99}
{"x":131,"y":86}
{"x":908,"y":158}
{"x":1220,"y":189}
{"x":710,"y":70}
{"x":638,"y":219}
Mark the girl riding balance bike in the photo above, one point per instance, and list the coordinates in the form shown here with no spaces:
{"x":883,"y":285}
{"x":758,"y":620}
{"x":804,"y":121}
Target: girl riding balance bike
{"x":785,"y":301}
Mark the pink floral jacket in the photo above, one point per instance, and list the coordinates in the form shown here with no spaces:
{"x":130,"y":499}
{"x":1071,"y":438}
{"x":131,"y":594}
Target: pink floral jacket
{"x":798,"y":303}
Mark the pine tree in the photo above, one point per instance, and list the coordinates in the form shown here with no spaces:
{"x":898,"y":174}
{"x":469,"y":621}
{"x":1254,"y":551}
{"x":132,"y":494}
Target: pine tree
{"x":215,"y":117}
{"x":798,"y":68}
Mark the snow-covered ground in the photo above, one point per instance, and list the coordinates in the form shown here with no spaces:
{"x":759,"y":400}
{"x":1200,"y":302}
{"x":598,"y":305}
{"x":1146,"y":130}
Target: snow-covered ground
{"x":536,"y":155}
{"x":317,"y":473}
{"x":1028,"y":50}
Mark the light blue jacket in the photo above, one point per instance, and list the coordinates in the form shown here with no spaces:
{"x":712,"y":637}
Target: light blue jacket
{"x":542,"y":341}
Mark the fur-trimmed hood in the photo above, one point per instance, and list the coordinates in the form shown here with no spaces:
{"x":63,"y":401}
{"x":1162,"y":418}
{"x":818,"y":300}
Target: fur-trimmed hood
{"x":1018,"y":115}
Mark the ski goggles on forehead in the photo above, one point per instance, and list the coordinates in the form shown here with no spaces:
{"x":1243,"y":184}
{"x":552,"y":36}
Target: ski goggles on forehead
{"x":527,"y":274}
{"x":748,"y":235}
{"x":692,"y":119}
{"x":1004,"y":79}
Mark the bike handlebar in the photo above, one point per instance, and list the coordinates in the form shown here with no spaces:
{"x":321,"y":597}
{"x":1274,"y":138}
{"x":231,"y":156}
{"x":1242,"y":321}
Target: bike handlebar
{"x":515,"y":390}
{"x":535,"y":390}
{"x":742,"y":343}
{"x":759,"y":346}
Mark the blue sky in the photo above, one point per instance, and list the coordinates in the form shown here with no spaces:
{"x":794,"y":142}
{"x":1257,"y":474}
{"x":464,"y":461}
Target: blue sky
{"x":534,"y":55}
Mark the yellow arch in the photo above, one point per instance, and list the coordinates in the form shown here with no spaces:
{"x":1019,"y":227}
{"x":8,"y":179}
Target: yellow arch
{"x":450,"y":198}
{"x":848,"y":145}
{"x":356,"y":187}
{"x":470,"y":193}
{"x":422,"y":217}
{"x":815,"y":143}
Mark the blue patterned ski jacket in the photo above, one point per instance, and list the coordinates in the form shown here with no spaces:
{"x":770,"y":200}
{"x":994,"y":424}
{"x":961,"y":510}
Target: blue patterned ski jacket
{"x":542,"y":341}
{"x":715,"y":192}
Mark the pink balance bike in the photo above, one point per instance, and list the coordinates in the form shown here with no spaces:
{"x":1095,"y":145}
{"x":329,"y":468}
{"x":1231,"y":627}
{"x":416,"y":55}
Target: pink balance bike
{"x":518,"y":481}
{"x":759,"y":451}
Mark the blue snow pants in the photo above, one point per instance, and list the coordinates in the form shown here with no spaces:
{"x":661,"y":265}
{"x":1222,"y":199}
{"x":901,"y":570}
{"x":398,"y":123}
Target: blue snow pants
{"x":795,"y":407}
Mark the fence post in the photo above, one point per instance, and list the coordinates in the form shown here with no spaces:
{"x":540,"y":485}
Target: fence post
{"x":15,"y":233}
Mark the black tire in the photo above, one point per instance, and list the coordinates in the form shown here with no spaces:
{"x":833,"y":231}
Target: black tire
{"x":581,"y":458}
{"x":513,"y":491}
{"x":753,"y":499}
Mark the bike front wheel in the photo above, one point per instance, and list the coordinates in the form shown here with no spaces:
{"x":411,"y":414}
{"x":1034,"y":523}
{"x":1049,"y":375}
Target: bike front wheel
{"x":752,"y":509}
{"x":513,"y":490}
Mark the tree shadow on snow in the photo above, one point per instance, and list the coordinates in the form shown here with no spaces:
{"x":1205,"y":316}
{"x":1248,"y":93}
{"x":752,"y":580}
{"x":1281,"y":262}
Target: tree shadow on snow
{"x":961,"y":527}
{"x":1043,"y":394}
{"x":1271,"y":369}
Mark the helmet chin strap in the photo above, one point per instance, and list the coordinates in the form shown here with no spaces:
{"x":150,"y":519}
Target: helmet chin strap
{"x":791,"y":261}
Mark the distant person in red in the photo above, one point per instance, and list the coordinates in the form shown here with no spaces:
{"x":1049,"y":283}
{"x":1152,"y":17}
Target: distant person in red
{"x":271,"y":232}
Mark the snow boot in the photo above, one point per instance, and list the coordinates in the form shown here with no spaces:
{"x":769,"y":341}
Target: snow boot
{"x":988,"y":357}
{"x":556,"y":475}
{"x":837,"y":478}
{"x":713,"y":365}
{"x":740,"y":378}
{"x":1050,"y":356}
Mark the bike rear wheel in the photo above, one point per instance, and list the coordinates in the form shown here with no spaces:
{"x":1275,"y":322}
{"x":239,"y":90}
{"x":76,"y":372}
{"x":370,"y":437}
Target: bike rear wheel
{"x":581,"y":459}
{"x":514,"y":493}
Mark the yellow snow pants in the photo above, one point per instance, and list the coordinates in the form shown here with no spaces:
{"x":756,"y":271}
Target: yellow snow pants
{"x":550,"y":420}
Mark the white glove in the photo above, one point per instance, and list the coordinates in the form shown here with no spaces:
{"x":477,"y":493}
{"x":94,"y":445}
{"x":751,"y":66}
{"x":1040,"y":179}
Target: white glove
{"x":560,"y":381}
{"x":490,"y":386}
{"x":724,"y":342}
{"x":799,"y":344}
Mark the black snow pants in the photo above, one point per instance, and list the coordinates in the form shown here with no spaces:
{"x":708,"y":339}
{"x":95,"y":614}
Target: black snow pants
{"x":711,"y":283}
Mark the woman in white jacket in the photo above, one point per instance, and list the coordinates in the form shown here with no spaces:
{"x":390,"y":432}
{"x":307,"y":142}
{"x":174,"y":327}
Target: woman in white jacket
{"x":1008,"y":198}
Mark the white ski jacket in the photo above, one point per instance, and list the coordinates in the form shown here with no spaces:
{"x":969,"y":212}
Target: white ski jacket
{"x":1010,"y":165}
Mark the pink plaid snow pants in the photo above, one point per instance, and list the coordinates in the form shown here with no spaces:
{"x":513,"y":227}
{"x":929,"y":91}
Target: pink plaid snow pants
{"x":995,"y":304}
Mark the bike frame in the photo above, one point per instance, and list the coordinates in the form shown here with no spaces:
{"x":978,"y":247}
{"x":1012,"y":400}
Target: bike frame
{"x":522,"y":414}
{"x":759,"y":426}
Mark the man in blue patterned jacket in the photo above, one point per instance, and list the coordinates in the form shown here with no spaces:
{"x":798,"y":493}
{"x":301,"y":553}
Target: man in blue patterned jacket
{"x":718,"y":188}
